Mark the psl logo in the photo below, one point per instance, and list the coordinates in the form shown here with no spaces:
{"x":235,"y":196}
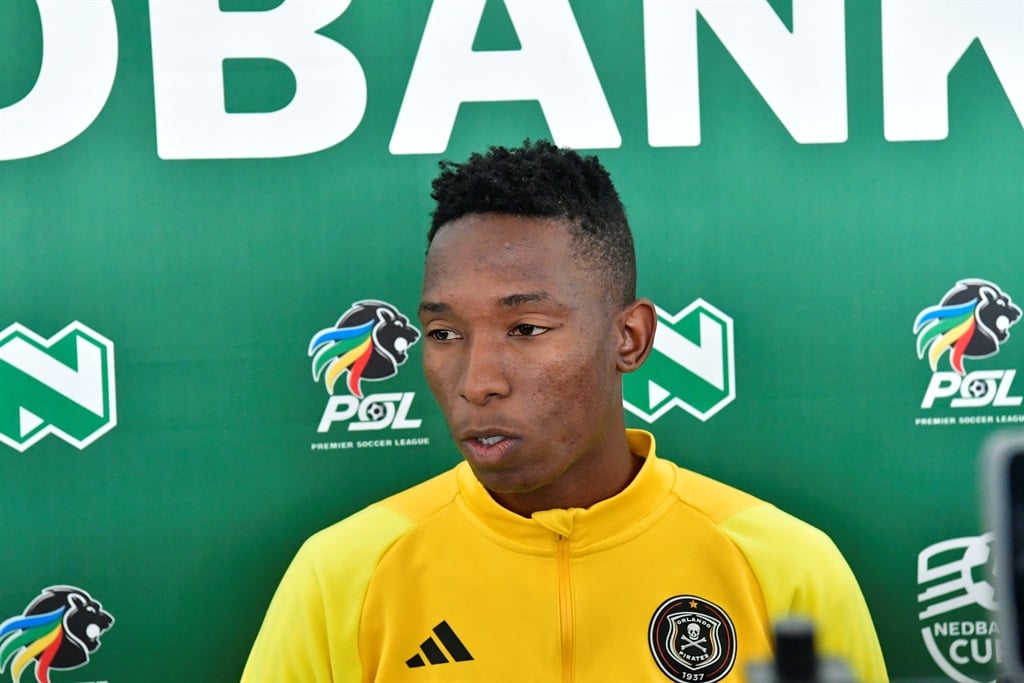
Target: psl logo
{"x":971,"y":321}
{"x":959,"y":608}
{"x":60,"y":629}
{"x":63,"y":385}
{"x":370,"y":341}
{"x":691,"y":366}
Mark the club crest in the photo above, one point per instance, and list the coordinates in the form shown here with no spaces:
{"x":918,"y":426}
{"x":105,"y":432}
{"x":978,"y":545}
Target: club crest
{"x":690,"y":635}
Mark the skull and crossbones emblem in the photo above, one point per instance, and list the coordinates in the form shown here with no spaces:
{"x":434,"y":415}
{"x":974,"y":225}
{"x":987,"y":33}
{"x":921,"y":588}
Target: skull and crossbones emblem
{"x":692,"y":639}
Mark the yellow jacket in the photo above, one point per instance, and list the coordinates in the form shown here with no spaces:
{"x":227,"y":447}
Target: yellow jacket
{"x":676,"y":578}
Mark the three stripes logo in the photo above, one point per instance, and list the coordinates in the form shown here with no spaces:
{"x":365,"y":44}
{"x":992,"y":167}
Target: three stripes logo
{"x":434,"y":653}
{"x":63,"y":385}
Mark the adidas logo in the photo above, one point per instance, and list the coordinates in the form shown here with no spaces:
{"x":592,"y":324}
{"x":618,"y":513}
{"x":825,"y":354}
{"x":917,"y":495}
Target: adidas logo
{"x":435,"y":655}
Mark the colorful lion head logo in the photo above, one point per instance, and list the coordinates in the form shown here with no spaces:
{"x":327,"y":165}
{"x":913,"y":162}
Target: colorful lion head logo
{"x":58,"y":630}
{"x":370,"y":341}
{"x":972,"y":320}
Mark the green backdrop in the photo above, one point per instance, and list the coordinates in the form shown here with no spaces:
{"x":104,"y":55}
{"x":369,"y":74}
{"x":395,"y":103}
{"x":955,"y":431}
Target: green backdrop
{"x":163,"y":456}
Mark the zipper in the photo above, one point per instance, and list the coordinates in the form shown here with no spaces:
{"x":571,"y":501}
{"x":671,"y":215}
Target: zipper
{"x":565,"y":607}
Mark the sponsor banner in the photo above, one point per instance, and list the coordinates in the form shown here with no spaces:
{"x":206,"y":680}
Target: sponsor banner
{"x":220,"y":182}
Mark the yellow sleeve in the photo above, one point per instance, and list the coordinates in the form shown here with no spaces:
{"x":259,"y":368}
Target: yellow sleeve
{"x":802,"y":573}
{"x":310,"y":633}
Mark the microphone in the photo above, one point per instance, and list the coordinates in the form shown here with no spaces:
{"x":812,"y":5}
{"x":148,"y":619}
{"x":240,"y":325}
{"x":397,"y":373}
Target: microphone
{"x":796,"y":660}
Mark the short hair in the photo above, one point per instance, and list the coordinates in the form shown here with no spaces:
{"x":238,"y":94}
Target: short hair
{"x":540,"y":180}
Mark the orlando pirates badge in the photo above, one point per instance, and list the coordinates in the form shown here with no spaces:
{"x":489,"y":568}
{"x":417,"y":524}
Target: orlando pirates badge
{"x":692,"y":639}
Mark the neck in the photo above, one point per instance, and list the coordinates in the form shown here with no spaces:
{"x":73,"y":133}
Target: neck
{"x":609,"y":479}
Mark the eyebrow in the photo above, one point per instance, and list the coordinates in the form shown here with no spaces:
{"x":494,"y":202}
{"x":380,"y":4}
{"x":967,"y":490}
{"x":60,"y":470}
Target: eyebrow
{"x":434,"y":307}
{"x":510,"y":301}
{"x":513,"y":300}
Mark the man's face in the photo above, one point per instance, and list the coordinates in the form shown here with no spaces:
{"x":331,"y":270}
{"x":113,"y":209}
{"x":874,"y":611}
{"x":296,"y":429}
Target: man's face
{"x":520,"y":352}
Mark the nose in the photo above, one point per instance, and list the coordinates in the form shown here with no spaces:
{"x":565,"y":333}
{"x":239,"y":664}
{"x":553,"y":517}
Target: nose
{"x":484,"y":377}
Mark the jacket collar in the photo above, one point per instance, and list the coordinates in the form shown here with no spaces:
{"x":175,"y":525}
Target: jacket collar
{"x":609,"y":522}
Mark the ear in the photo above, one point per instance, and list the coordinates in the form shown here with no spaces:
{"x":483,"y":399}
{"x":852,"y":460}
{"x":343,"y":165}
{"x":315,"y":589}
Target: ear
{"x":77,"y":601}
{"x":636,"y":325}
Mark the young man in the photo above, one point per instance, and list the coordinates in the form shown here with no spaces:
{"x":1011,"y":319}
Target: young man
{"x":563,"y":548}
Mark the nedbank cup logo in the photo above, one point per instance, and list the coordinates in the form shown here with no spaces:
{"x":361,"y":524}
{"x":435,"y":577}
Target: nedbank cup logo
{"x":369,"y":342}
{"x":691,"y":366}
{"x":63,"y":385}
{"x":972,"y":320}
{"x":60,"y":629}
{"x":958,"y":608}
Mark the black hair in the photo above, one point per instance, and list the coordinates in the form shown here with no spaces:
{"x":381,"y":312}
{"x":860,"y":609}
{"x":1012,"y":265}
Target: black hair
{"x":540,"y":180}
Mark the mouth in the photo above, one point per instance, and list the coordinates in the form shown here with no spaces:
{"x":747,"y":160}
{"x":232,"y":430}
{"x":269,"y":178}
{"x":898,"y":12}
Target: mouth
{"x":487,"y":447}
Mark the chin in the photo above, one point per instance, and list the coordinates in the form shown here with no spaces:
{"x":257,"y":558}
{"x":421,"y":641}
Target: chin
{"x":505,"y":481}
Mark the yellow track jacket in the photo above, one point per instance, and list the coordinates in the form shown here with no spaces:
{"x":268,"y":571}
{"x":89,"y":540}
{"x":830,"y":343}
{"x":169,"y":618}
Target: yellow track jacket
{"x":676,"y":578}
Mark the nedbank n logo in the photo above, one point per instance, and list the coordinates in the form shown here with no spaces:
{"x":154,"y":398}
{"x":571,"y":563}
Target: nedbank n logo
{"x":63,"y":385}
{"x":691,"y":366}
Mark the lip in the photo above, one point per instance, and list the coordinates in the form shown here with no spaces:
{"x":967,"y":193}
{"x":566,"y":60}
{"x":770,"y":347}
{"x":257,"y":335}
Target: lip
{"x":485,"y":454}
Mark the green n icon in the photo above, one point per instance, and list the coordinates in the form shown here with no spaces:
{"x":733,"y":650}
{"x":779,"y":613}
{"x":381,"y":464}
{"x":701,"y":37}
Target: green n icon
{"x":63,"y":385}
{"x":692,"y":366}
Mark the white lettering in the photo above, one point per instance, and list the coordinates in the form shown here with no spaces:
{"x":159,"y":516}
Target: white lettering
{"x":402,"y":420}
{"x":338,"y":409}
{"x":552,"y":67}
{"x":979,"y":657}
{"x":192,"y":39}
{"x":374,"y":412}
{"x":419,"y":441}
{"x":965,"y":628}
{"x":801,"y":75}
{"x":1002,"y":395}
{"x":971,"y":388}
{"x":933,"y":421}
{"x":942,"y":385}
{"x":922,"y":40}
{"x":376,"y":443}
{"x":954,"y":651}
{"x":75,"y":78}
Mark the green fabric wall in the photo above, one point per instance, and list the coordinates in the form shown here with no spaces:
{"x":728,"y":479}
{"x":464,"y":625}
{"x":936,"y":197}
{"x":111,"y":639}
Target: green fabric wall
{"x":210,"y":276}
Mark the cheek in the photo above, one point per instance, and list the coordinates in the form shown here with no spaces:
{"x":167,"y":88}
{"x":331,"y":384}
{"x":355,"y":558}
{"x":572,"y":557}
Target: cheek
{"x":434,"y":372}
{"x":570,"y":385}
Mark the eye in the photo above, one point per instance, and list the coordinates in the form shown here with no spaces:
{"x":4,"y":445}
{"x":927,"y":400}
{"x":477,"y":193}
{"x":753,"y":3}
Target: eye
{"x":442,"y":335}
{"x":527,"y":330}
